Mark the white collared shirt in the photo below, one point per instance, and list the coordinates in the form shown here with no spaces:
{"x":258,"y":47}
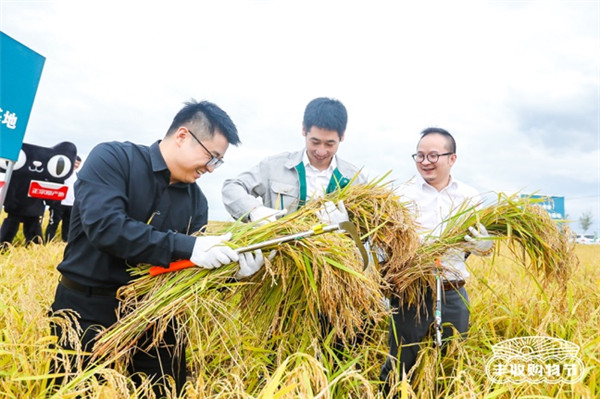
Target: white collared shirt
{"x":433,"y":207}
{"x":317,"y":180}
{"x":70,"y":197}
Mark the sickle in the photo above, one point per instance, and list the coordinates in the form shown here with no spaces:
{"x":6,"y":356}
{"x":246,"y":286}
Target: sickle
{"x":318,"y":229}
{"x":351,"y":229}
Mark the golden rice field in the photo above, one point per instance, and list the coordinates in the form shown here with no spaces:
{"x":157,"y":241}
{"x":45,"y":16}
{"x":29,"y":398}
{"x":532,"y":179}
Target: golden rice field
{"x":507,"y":301}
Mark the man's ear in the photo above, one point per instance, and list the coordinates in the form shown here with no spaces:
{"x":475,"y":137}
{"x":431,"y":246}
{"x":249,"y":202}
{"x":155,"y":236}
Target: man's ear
{"x":180,"y":135}
{"x":452,"y":159}
{"x":182,"y":131}
{"x":342,"y":137}
{"x":304,"y":130}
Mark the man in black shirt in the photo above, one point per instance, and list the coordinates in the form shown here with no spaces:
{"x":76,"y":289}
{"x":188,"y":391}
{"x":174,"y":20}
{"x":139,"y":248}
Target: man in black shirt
{"x":138,"y":204}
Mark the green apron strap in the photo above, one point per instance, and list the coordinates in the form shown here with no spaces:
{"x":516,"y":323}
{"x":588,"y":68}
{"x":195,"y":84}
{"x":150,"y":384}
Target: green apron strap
{"x":302,"y":180}
{"x":337,"y":181}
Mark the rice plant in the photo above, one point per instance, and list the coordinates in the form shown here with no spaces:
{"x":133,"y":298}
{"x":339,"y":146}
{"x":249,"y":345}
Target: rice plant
{"x":531,"y":235}
{"x":243,"y":347}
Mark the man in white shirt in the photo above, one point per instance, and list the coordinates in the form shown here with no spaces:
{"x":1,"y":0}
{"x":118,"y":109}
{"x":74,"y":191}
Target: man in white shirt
{"x":61,"y":210}
{"x":435,"y":195}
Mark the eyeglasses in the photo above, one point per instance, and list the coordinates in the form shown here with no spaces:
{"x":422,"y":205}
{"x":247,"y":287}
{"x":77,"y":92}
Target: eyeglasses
{"x":213,"y":161}
{"x":433,"y":157}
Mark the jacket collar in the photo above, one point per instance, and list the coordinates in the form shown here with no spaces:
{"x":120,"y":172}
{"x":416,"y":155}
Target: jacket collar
{"x":294,"y":159}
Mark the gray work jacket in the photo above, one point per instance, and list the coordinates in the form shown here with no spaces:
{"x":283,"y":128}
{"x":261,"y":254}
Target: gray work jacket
{"x":276,"y":181}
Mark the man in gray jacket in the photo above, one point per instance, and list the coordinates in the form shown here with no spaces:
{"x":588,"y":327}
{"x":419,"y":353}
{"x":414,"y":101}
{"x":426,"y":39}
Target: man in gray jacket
{"x":282,"y":183}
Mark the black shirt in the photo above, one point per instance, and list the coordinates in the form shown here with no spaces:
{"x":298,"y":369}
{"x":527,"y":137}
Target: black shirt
{"x":126,"y":212}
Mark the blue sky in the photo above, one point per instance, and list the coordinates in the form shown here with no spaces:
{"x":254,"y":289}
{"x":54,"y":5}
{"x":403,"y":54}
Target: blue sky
{"x":516,"y":82}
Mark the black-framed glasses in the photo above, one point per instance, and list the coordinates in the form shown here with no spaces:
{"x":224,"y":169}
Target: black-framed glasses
{"x":213,"y":161}
{"x":433,"y":157}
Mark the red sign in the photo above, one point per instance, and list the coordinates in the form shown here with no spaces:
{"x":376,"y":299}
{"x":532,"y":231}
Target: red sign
{"x":47,"y":190}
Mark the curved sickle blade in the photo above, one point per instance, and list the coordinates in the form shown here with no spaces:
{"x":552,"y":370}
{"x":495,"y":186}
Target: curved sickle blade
{"x":351,"y":229}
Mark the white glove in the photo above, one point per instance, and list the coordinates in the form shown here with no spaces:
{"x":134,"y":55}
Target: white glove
{"x":479,"y":243}
{"x":209,"y":252}
{"x":264,"y":215}
{"x":250,"y":264}
{"x":330,"y":214}
{"x":382,"y":256}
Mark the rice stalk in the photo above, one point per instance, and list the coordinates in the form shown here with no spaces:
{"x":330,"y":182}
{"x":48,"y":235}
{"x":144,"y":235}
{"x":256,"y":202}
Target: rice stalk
{"x":531,"y":235}
{"x":298,"y":376}
{"x":298,"y":288}
{"x":314,"y":295}
{"x":303,"y":376}
{"x":152,"y":306}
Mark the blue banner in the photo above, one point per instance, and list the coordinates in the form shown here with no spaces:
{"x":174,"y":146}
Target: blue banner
{"x":554,"y":205}
{"x":20,"y":72}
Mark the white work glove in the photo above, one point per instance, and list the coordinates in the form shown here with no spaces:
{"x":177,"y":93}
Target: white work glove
{"x":382,"y":256}
{"x":264,"y":215}
{"x":331,"y":214}
{"x":209,"y":252}
{"x":479,"y":243}
{"x":250,"y":264}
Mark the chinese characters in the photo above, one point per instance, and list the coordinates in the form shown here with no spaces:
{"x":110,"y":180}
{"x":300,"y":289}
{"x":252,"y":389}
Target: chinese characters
{"x":8,"y":118}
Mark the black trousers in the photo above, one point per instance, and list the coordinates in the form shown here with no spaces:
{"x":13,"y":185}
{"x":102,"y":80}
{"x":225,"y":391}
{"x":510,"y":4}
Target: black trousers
{"x":96,"y":310}
{"x":407,"y":332}
{"x":58,"y":213}
{"x":32,"y":228}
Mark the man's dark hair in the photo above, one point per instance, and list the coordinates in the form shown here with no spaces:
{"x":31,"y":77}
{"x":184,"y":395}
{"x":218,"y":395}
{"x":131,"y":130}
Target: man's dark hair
{"x":326,"y":113}
{"x":436,"y":130}
{"x":208,"y":117}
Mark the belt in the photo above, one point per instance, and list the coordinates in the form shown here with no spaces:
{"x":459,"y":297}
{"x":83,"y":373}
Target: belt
{"x":452,"y":285}
{"x":89,"y":291}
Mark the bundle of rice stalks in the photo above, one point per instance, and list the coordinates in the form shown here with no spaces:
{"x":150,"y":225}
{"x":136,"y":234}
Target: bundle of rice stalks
{"x":312,"y":287}
{"x":385,"y":220}
{"x":532,"y":236}
{"x":151,"y":305}
{"x":317,"y":287}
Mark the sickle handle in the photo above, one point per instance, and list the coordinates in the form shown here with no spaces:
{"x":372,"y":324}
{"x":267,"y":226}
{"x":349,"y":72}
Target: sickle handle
{"x":174,"y":266}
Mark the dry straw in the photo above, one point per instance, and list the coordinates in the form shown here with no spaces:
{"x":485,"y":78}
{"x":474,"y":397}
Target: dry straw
{"x":537,"y":241}
{"x":315,"y":287}
{"x":232,"y":356}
